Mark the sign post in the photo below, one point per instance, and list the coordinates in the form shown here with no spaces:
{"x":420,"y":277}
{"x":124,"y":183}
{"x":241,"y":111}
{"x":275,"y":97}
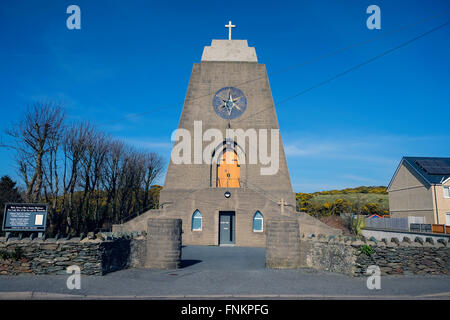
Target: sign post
{"x":25,"y":217}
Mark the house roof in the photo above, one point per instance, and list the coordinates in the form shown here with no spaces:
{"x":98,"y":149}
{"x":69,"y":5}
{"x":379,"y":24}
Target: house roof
{"x":418,"y":165}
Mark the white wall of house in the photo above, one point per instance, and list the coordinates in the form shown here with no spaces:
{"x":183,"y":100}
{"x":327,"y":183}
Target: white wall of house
{"x":443,"y":202}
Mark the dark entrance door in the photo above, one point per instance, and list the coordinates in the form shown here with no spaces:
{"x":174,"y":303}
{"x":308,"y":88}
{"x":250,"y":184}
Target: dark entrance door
{"x":226,"y":227}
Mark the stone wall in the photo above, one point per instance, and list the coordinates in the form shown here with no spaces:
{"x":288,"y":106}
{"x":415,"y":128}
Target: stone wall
{"x":157,"y":248}
{"x":52,"y":256}
{"x":394,"y":257}
{"x":405,"y":257}
{"x":353,"y":256}
{"x":138,"y":251}
{"x":332,"y":257}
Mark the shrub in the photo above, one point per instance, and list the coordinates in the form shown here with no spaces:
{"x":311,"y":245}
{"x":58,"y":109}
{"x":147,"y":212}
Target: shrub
{"x":367,"y":250}
{"x":355,"y":223}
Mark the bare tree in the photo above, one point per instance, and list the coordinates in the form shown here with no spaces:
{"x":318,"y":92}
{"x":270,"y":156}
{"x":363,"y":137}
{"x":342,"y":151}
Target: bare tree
{"x":52,"y":178}
{"x":34,"y":138}
{"x":154,"y":165}
{"x":112,"y":174}
{"x":75,"y":144}
{"x":99,"y":162}
{"x":88,"y":179}
{"x":91,"y":169}
{"x":129,"y":179}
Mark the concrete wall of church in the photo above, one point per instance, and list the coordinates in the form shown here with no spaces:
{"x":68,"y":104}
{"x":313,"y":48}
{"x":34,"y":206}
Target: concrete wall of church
{"x":138,"y":223}
{"x":163,"y":245}
{"x":310,"y":225}
{"x":211,"y":201}
{"x":190,"y":187}
{"x":283,"y":243}
{"x":206,"y":79}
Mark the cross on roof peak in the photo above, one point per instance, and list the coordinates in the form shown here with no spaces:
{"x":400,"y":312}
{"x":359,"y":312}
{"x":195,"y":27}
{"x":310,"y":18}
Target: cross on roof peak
{"x":229,"y":26}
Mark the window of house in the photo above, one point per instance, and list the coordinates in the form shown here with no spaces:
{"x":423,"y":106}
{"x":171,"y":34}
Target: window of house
{"x":446,"y":192}
{"x":258,"y":222}
{"x":197,"y":221}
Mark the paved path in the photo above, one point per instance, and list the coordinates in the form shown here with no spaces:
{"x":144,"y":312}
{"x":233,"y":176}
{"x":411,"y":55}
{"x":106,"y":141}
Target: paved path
{"x":223,"y":273}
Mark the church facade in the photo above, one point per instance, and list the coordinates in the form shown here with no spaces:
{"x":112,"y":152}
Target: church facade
{"x":228,"y":173}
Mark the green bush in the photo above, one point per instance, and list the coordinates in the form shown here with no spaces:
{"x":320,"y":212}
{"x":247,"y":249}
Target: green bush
{"x":358,"y":223}
{"x":367,"y":250}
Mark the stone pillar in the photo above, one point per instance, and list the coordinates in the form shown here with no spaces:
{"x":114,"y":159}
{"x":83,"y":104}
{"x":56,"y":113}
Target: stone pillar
{"x":282,"y":243}
{"x":163,"y":243}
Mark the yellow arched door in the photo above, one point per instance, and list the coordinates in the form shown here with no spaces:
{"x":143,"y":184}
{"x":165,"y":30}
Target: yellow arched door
{"x":228,"y":171}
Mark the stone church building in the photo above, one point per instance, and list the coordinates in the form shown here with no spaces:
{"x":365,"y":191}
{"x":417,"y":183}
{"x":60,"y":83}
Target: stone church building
{"x":222,"y":194}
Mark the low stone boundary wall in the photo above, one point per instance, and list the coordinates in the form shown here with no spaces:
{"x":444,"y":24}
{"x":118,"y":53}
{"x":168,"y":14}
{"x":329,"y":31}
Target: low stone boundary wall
{"x":158,"y":248}
{"x":405,"y":257}
{"x":392,"y":256}
{"x":51,"y":256}
{"x":327,"y":256}
{"x":351,"y":256}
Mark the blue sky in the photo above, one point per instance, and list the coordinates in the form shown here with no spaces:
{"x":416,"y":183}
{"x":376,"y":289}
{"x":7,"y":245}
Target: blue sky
{"x":133,"y":57}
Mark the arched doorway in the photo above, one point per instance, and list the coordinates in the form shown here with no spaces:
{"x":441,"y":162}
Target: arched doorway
{"x":228,"y":170}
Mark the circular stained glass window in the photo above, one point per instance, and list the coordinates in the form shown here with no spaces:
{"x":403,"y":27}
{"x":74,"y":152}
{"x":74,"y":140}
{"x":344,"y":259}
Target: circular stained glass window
{"x":229,"y":103}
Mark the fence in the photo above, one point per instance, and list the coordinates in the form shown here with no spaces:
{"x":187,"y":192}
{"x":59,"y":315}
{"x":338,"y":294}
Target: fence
{"x":414,"y":224}
{"x":420,"y":227}
{"x":441,"y":228}
{"x":402,"y":224}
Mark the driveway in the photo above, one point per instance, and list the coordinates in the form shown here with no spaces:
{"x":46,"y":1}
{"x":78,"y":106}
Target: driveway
{"x":223,"y":273}
{"x":223,"y":258}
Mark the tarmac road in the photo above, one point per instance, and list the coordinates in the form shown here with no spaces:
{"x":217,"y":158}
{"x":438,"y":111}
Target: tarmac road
{"x":210,"y":272}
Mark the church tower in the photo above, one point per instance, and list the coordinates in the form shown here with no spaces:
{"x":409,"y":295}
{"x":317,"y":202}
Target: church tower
{"x":227,"y":198}
{"x":227,"y":174}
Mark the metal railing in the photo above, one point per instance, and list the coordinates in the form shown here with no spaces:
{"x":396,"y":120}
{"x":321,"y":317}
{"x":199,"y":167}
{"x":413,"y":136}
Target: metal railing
{"x":402,"y":224}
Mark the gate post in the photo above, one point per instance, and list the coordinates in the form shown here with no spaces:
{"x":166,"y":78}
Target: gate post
{"x":163,"y":243}
{"x":283,"y":243}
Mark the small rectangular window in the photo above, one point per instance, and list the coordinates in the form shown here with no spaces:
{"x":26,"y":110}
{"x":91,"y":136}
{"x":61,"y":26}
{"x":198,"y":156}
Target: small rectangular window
{"x":446,"y":192}
{"x":197,"y":224}
{"x":257,"y":225}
